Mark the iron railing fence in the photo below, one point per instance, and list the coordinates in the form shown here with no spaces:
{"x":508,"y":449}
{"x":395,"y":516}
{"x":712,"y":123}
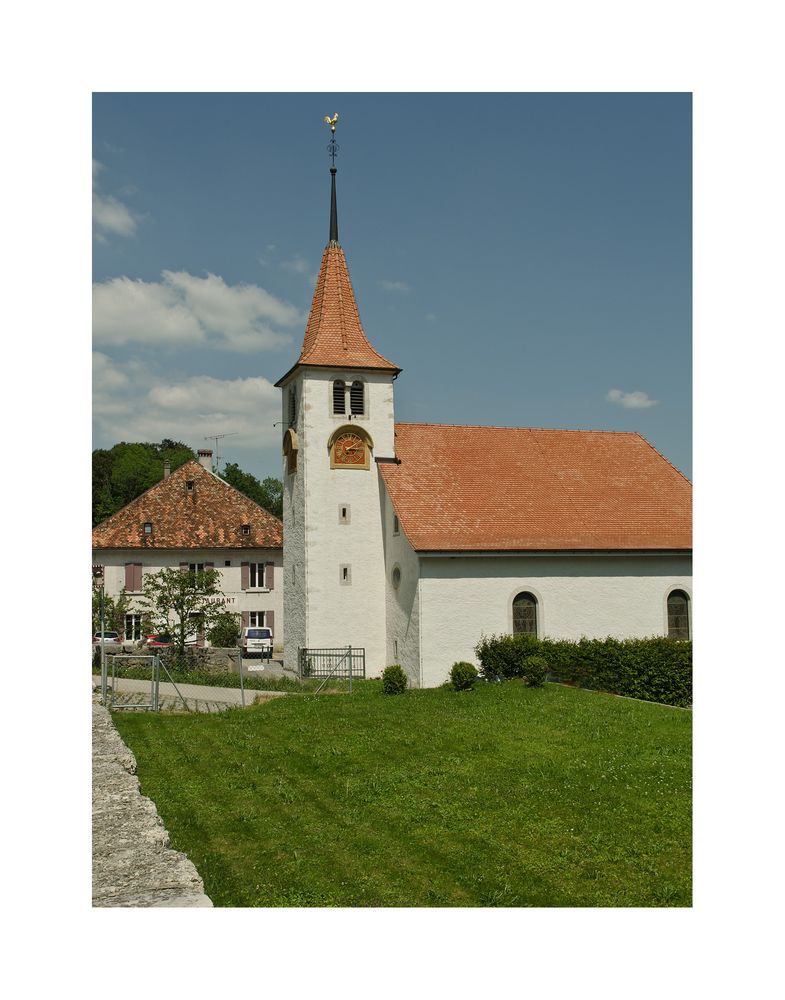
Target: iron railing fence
{"x":343,"y":663}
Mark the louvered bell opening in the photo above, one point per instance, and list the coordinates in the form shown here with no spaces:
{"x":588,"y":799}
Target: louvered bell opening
{"x":339,"y":396}
{"x":357,"y":398}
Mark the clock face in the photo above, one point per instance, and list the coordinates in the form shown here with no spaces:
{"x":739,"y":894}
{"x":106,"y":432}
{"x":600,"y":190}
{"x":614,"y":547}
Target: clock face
{"x":349,"y":450}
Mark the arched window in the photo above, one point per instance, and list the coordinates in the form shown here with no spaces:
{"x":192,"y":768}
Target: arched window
{"x":357,"y":398}
{"x":524,"y":613}
{"x":339,"y":396}
{"x":678,"y":615}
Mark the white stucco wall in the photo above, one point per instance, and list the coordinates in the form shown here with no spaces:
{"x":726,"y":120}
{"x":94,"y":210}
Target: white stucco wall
{"x":403,"y":602}
{"x":239,"y":600}
{"x":593,"y":595}
{"x":327,"y":613}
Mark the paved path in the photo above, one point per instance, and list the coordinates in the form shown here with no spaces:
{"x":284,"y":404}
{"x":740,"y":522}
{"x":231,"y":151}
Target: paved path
{"x":133,"y":864}
{"x":198,"y":697}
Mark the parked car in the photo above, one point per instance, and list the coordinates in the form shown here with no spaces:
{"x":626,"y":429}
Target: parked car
{"x":159,"y":641}
{"x":257,"y":641}
{"x":110,"y":638}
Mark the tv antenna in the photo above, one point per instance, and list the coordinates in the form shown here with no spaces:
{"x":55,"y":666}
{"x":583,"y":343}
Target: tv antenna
{"x":217,"y":438}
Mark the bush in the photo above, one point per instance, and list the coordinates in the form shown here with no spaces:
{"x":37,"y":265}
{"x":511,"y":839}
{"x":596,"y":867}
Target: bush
{"x":225,"y":631}
{"x":394,"y":680}
{"x":535,"y":670}
{"x":652,"y":669}
{"x":503,"y":656}
{"x":462,"y":676}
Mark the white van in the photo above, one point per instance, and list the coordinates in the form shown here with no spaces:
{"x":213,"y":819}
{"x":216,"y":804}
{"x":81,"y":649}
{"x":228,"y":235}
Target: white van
{"x":258,"y":640}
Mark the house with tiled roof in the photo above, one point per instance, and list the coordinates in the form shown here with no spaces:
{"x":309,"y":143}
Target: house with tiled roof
{"x":411,"y":541}
{"x":193,"y":519}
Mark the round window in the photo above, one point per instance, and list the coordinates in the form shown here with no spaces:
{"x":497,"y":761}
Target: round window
{"x":396,"y":577}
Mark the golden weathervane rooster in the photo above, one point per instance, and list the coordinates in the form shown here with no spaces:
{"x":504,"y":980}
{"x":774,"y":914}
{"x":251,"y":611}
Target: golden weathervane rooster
{"x":332,"y":122}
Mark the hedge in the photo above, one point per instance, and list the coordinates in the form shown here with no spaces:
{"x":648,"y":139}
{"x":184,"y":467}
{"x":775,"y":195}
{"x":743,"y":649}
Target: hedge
{"x":653,"y":669}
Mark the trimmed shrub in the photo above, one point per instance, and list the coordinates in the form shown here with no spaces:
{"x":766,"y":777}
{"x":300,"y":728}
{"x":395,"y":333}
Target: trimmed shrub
{"x":535,"y":670}
{"x":394,"y":679}
{"x":653,"y":669}
{"x":462,"y":676}
{"x":503,"y":656}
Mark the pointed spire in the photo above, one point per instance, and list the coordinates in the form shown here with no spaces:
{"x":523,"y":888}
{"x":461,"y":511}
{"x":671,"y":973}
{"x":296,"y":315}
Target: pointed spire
{"x":333,"y":213}
{"x":334,"y":335}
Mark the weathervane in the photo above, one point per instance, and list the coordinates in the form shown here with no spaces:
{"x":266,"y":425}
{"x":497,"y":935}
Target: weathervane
{"x":333,"y":146}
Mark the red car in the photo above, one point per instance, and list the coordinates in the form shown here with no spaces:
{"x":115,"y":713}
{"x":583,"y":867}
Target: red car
{"x":159,"y":641}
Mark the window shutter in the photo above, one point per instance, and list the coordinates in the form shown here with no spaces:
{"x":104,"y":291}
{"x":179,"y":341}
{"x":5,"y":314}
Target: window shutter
{"x":184,"y":567}
{"x":137,"y":577}
{"x":244,"y":575}
{"x":129,"y":576}
{"x":244,"y":619}
{"x":269,"y":575}
{"x":269,"y":621}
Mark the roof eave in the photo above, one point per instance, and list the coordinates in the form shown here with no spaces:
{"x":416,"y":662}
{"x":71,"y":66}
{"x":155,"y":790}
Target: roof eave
{"x":392,"y":369}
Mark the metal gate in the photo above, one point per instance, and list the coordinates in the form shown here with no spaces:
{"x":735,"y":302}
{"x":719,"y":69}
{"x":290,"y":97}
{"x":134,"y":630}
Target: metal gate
{"x":148,"y":704}
{"x":343,"y":663}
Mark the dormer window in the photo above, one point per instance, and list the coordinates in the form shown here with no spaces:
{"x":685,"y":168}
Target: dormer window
{"x":246,"y":529}
{"x":339,"y":396}
{"x":148,"y":527}
{"x":189,"y":486}
{"x":357,"y":398}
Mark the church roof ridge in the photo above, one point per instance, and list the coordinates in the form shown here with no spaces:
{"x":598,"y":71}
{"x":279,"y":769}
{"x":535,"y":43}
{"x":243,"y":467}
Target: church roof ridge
{"x":511,"y":427}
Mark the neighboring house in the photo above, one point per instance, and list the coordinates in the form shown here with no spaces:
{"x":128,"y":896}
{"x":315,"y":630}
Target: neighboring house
{"x":194,"y":520}
{"x":413,"y":540}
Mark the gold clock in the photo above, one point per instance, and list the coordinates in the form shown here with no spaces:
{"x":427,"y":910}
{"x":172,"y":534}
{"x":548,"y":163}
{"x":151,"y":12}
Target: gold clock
{"x":349,"y":451}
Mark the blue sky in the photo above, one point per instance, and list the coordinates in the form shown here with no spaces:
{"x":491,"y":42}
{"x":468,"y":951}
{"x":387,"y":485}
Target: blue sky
{"x":525,"y":258}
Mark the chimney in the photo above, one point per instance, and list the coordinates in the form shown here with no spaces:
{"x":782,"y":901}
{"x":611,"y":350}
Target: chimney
{"x":206,"y":458}
{"x":167,"y":469}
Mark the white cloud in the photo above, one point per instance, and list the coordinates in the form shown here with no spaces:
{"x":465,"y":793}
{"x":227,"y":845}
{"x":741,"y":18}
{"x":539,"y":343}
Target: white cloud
{"x":183,"y":309}
{"x":110,"y":215}
{"x":631,"y":400}
{"x":394,"y":286}
{"x":130,"y":403}
{"x":297,"y":264}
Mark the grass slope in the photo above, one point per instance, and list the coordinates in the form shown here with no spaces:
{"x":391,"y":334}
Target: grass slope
{"x":502,"y":796}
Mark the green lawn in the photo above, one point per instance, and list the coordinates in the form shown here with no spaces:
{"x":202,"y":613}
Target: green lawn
{"x":502,"y":796}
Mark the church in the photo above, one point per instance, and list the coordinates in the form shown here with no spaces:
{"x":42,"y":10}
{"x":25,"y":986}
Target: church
{"x":411,"y":541}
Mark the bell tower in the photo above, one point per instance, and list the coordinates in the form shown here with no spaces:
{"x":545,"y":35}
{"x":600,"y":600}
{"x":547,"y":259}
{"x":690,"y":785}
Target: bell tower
{"x":338,"y":421}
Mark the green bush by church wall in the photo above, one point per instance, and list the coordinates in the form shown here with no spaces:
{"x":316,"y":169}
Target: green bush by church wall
{"x":652,"y":669}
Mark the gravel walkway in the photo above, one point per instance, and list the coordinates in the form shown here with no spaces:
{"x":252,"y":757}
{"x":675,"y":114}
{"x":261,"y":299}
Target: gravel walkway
{"x":133,"y":864}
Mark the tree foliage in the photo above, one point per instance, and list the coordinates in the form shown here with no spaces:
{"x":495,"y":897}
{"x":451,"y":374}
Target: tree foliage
{"x":268,"y":493}
{"x":181,"y":603}
{"x":115,"y":610}
{"x":124,"y":471}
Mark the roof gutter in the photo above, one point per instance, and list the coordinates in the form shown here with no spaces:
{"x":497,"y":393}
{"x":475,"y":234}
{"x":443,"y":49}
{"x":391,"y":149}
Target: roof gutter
{"x":478,"y":553}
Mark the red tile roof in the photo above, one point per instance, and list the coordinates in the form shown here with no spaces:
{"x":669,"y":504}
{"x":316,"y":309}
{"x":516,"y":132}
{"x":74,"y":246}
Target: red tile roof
{"x":211,"y":516}
{"x":334,"y":335}
{"x":508,"y":488}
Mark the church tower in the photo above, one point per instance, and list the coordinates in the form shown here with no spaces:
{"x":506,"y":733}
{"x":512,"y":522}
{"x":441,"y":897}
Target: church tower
{"x":338,"y":422}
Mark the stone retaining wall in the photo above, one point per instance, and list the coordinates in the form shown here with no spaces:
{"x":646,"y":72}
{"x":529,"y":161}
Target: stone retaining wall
{"x":133,"y":864}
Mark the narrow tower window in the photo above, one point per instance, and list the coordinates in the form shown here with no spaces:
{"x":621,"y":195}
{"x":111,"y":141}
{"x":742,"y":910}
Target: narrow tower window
{"x":292,"y":407}
{"x":339,"y":396}
{"x":357,"y":398}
